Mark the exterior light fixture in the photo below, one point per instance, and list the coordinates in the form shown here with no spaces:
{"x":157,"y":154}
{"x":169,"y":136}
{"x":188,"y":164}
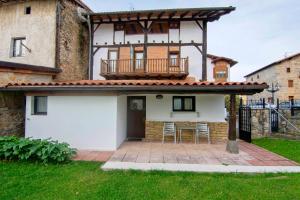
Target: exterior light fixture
{"x":159,"y":96}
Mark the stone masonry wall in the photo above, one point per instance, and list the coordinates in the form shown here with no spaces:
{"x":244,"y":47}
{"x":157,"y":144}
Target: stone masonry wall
{"x":72,"y":51}
{"x":154,"y":129}
{"x":12,"y":115}
{"x":260,"y":123}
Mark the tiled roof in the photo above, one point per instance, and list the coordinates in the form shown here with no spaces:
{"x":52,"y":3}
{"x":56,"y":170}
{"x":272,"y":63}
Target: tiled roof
{"x":133,"y":83}
{"x":218,"y":58}
{"x":188,"y":86}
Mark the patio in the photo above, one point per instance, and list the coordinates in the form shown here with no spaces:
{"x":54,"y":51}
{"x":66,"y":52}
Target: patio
{"x":204,"y":154}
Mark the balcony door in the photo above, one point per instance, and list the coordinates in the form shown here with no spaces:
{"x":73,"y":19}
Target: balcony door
{"x":139,"y":61}
{"x":112,"y":61}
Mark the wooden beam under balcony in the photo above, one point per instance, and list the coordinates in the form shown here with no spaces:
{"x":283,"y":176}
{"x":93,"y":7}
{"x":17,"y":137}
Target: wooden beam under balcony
{"x":148,"y":44}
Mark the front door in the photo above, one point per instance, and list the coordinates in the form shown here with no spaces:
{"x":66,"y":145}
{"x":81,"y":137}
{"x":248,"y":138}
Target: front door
{"x":136,"y":116}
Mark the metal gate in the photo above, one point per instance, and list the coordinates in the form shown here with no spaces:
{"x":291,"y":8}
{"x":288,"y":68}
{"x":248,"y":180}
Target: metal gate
{"x":274,"y":121}
{"x":245,"y":123}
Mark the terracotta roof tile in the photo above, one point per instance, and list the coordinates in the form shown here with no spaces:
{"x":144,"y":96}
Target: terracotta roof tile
{"x":131,"y":83}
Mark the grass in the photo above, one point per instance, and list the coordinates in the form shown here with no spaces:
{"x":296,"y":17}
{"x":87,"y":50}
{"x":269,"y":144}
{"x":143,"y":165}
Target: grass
{"x":84,"y":180}
{"x":287,"y":148}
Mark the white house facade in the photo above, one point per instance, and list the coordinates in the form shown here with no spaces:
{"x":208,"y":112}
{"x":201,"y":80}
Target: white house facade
{"x":146,"y":68}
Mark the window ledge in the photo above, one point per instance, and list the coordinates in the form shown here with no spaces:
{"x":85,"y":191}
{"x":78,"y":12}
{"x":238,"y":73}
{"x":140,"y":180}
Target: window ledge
{"x":182,"y":112}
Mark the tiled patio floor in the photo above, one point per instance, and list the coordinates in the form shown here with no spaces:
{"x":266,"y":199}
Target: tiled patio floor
{"x":207,"y":154}
{"x":100,"y":156}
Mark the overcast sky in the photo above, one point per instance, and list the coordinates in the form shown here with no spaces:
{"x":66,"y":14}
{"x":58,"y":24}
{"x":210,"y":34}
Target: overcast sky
{"x":257,"y":33}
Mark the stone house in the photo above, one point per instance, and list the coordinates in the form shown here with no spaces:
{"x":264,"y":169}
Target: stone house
{"x":147,"y":67}
{"x":285,"y":73}
{"x":41,"y":41}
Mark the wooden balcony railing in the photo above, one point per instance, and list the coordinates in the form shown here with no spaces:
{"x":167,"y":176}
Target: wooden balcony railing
{"x":163,"y":67}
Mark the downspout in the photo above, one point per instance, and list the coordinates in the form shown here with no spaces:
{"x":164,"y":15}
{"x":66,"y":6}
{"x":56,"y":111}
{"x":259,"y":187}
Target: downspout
{"x":90,"y":71}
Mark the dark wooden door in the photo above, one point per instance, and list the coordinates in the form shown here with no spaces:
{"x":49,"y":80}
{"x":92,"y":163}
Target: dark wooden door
{"x":136,"y":116}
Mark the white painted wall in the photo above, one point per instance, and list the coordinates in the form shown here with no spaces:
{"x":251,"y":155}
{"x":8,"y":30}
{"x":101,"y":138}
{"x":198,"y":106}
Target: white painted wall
{"x":85,"y":122}
{"x":121,"y":119}
{"x":188,"y":31}
{"x":210,"y":70}
{"x":210,"y":109}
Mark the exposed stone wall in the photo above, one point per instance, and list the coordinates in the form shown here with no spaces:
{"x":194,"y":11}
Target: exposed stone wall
{"x":284,"y":127}
{"x":278,"y":74}
{"x":154,"y":129}
{"x":260,"y":123}
{"x":72,"y":50}
{"x":13,"y":77}
{"x":12,"y":114}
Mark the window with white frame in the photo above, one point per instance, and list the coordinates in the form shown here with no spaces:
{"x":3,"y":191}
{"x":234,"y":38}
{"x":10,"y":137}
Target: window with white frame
{"x":18,"y":47}
{"x":221,"y":74}
{"x":40,"y":105}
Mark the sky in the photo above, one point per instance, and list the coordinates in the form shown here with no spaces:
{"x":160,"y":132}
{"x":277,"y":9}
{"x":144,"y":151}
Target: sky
{"x":257,"y":33}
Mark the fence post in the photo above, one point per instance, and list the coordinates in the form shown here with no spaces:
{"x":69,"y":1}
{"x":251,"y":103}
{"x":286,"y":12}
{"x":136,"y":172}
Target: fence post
{"x":292,"y":107}
{"x":264,"y":102}
{"x":241,"y":102}
{"x":277,"y":104}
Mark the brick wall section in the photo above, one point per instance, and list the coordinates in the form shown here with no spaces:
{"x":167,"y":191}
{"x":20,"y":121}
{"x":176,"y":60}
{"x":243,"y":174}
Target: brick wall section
{"x":73,"y":45}
{"x":12,"y":115}
{"x":154,"y":129}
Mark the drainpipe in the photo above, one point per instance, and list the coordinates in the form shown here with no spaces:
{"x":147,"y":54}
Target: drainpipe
{"x":81,"y":15}
{"x":90,"y":71}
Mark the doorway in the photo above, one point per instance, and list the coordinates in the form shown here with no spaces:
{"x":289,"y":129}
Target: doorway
{"x":136,"y":117}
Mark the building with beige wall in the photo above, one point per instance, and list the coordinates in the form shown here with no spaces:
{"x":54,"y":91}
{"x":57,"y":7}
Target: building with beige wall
{"x":285,"y":73}
{"x":40,"y":41}
{"x":47,"y":34}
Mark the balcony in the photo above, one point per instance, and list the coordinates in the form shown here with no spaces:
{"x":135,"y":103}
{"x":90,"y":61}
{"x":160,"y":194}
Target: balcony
{"x":163,"y":68}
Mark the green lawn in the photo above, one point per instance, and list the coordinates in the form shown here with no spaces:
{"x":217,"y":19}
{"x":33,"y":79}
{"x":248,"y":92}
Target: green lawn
{"x":84,"y":180}
{"x":287,"y":148}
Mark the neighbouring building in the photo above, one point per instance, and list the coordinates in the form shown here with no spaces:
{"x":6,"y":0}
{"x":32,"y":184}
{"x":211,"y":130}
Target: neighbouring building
{"x":41,"y":41}
{"x":148,"y":67}
{"x":284,"y":73}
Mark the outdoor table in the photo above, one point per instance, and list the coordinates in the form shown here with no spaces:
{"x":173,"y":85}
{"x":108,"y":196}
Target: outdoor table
{"x":193,"y":128}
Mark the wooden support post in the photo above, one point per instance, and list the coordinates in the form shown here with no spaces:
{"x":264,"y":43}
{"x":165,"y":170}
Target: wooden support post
{"x":232,"y":145}
{"x":145,"y":44}
{"x":204,"y":51}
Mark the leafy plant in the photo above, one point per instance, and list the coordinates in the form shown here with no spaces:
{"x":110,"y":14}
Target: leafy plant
{"x":27,"y":149}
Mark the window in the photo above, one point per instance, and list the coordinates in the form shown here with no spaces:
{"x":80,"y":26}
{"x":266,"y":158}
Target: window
{"x":119,"y":27}
{"x":133,"y":28}
{"x":40,"y":105}
{"x":18,"y":47}
{"x":183,"y":103}
{"x":27,"y":10}
{"x":251,"y":79}
{"x":221,"y":74}
{"x":257,"y":76}
{"x":174,"y":59}
{"x":288,"y":70}
{"x":139,"y":59}
{"x":174,"y":25}
{"x":159,"y":27}
{"x":290,"y":83}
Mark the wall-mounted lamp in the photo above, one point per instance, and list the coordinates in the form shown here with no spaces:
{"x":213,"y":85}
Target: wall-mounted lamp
{"x":159,"y":96}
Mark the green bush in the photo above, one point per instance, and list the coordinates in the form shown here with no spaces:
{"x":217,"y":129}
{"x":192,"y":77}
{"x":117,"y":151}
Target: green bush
{"x":26,"y":149}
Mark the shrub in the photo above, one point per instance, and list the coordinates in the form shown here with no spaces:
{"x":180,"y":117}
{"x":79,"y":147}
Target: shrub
{"x":27,"y":149}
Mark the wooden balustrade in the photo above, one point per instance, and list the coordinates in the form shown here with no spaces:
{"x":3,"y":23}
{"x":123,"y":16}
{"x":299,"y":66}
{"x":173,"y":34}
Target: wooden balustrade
{"x":145,"y":67}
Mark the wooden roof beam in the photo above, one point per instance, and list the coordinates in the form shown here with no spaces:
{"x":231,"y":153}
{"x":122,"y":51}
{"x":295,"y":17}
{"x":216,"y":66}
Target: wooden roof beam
{"x":184,"y":14}
{"x":161,"y":14}
{"x":172,"y":15}
{"x":150,"y":15}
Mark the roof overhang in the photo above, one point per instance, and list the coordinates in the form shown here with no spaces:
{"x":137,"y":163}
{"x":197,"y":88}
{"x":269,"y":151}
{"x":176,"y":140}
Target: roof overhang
{"x":242,"y":88}
{"x":208,"y":14}
{"x":15,"y":67}
{"x":215,"y":59}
